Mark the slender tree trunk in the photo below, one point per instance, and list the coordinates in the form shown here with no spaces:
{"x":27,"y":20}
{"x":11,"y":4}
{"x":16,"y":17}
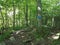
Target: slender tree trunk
{"x":2,"y":28}
{"x":19,"y":17}
{"x":39,"y":16}
{"x":46,"y":20}
{"x":39,"y":12}
{"x":26,"y":15}
{"x":6,"y":17}
{"x":13,"y":16}
{"x":30,"y":17}
{"x":52,"y":21}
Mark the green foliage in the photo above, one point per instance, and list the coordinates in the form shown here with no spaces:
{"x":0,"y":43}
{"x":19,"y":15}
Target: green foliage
{"x":5,"y":35}
{"x":16,"y":13}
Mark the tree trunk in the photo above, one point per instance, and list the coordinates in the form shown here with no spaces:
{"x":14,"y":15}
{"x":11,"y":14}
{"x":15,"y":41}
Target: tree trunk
{"x":6,"y":18}
{"x":39,"y":16}
{"x":30,"y":16}
{"x":52,"y":21}
{"x":26,"y":15}
{"x":39,"y":12}
{"x":19,"y":17}
{"x":2,"y":28}
{"x":13,"y":16}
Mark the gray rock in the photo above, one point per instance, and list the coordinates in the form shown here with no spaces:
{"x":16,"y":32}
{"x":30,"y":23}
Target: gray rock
{"x":2,"y":43}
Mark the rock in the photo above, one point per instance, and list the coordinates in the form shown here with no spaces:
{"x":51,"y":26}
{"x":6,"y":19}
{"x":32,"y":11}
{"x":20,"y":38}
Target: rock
{"x":2,"y":43}
{"x":12,"y":39}
{"x":20,"y":37}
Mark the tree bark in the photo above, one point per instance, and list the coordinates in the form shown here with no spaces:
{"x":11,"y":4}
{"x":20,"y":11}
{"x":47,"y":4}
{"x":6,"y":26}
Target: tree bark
{"x":39,"y":11}
{"x":26,"y":15}
{"x":13,"y":16}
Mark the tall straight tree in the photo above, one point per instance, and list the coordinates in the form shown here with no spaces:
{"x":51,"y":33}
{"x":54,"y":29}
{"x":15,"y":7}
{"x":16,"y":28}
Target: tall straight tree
{"x":19,"y":14}
{"x":6,"y":18}
{"x":14,"y":14}
{"x":30,"y":16}
{"x":39,"y":16}
{"x":39,"y":12}
{"x":26,"y":13}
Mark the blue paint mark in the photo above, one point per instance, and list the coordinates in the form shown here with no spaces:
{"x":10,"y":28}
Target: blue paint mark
{"x":39,"y":17}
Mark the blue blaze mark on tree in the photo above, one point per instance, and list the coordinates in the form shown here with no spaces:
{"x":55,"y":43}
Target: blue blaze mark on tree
{"x":39,"y":17}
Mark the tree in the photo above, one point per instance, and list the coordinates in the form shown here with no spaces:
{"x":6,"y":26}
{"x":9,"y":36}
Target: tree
{"x":14,"y":14}
{"x":26,"y":16}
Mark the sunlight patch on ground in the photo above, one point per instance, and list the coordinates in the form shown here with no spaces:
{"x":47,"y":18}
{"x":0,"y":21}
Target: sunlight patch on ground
{"x":17,"y":32}
{"x":56,"y":36}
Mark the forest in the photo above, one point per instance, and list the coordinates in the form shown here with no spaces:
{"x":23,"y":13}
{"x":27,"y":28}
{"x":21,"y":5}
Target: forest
{"x":29,"y":22}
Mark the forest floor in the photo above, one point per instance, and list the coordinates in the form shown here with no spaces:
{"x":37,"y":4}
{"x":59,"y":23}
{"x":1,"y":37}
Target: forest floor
{"x":25,"y":37}
{"x":20,"y":37}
